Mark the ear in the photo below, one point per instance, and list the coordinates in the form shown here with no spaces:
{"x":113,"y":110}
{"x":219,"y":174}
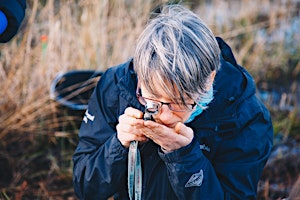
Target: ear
{"x":211,"y":79}
{"x":212,"y":76}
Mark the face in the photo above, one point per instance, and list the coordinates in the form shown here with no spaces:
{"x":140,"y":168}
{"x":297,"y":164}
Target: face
{"x":166,"y":116}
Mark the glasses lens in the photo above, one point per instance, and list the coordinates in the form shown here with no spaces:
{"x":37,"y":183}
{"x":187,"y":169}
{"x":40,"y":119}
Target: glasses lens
{"x":152,"y":107}
{"x":180,"y":107}
{"x":172,"y":106}
{"x":142,"y":100}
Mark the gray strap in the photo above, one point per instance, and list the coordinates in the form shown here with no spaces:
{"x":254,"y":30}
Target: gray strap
{"x":134,"y":172}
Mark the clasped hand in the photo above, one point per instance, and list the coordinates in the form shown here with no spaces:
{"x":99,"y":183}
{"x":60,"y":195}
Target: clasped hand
{"x":132,"y":127}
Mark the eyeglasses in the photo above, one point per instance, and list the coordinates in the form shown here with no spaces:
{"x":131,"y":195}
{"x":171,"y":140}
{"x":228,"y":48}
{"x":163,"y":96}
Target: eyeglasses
{"x":172,"y":106}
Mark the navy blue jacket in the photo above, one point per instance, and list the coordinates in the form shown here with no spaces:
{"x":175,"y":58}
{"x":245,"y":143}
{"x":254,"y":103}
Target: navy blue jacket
{"x":15,"y":12}
{"x":232,"y":142}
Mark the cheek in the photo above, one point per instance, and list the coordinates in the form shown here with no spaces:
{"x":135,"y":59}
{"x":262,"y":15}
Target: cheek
{"x":169,"y":117}
{"x":185,"y":117}
{"x":182,"y":117}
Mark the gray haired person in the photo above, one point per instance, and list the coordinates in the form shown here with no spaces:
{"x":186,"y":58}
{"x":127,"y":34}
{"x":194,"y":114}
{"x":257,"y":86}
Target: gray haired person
{"x":209,"y":136}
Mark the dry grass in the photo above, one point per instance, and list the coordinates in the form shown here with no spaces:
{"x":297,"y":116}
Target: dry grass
{"x":58,"y":36}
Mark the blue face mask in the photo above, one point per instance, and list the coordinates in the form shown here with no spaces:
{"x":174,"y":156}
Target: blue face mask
{"x":205,"y":100}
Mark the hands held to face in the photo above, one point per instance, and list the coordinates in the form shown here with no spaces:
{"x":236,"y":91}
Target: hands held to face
{"x":132,"y":127}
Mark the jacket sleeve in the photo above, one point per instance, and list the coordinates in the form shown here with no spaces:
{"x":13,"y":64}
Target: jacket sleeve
{"x":100,"y":160}
{"x":234,"y":171}
{"x":191,"y":174}
{"x":14,"y":11}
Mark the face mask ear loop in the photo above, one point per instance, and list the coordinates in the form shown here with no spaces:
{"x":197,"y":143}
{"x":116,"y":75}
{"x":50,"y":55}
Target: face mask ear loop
{"x":201,"y":105}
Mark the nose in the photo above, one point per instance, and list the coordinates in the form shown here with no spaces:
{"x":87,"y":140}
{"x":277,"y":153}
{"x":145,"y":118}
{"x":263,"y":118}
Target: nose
{"x":165,"y":114}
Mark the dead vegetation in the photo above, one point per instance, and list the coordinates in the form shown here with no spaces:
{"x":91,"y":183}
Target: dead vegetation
{"x":38,"y":136}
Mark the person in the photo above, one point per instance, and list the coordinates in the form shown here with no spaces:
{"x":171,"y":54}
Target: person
{"x":211,"y":136}
{"x":12,"y":13}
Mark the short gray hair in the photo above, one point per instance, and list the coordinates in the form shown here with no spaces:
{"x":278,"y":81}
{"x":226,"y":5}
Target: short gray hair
{"x":176,"y":49}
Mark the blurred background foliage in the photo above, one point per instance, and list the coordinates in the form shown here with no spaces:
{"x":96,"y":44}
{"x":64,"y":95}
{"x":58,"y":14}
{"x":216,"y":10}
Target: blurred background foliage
{"x":38,"y":135}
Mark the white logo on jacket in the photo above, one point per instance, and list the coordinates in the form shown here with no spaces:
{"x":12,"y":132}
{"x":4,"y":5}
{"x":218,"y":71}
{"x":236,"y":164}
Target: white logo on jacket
{"x":195,"y":180}
{"x":205,"y":147}
{"x":88,"y":116}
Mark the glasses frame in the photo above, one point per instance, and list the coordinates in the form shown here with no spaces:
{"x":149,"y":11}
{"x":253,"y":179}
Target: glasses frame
{"x":142,"y":99}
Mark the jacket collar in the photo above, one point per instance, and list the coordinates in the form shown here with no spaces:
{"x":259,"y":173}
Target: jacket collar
{"x":127,"y":85}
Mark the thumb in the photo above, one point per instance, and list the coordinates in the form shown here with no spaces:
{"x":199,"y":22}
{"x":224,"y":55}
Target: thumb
{"x":184,"y":130}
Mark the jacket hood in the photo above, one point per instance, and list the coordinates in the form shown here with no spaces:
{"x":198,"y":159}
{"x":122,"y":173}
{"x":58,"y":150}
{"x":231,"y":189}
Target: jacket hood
{"x":233,"y":84}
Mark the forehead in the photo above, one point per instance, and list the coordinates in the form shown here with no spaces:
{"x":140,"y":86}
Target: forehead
{"x":160,"y":93}
{"x":159,"y":85}
{"x":157,"y":90}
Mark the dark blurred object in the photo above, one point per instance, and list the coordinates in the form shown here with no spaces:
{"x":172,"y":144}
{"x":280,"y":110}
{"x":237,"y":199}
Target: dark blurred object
{"x":279,"y":178}
{"x":14,"y":11}
{"x":73,"y":89}
{"x":6,"y":171}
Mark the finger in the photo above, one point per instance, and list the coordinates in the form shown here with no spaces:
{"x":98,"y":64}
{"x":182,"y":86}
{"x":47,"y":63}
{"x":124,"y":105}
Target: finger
{"x":127,"y":133}
{"x":133,"y":112}
{"x":132,"y":121}
{"x":179,"y":128}
{"x":151,"y":124}
{"x":157,"y":132}
{"x":184,"y":130}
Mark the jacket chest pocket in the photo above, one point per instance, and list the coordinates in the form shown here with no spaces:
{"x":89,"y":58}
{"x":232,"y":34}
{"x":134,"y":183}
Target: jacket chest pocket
{"x":211,"y":134}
